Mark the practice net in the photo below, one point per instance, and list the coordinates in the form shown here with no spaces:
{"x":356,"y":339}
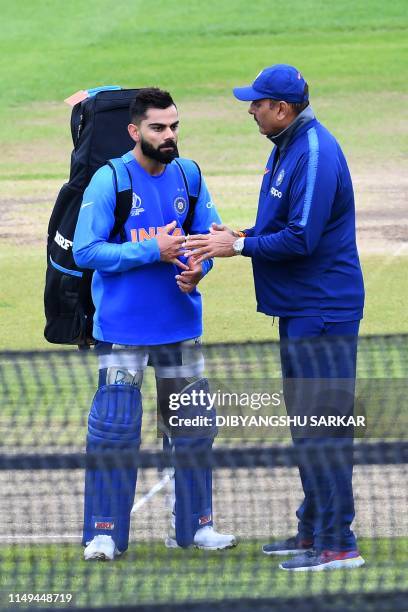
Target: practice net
{"x":256,"y":490}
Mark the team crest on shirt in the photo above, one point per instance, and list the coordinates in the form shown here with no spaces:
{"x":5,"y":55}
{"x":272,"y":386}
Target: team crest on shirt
{"x":136,"y":205}
{"x":280,"y":178}
{"x":180,"y":205}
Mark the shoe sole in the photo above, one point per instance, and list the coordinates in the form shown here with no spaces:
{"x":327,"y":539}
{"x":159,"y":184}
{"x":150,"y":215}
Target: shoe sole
{"x":98,"y":557}
{"x":230,"y":545}
{"x":285,"y":553}
{"x":171,"y":543}
{"x":331,"y":565}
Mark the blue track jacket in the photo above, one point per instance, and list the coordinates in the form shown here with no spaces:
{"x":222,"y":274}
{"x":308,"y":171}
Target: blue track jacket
{"x":303,"y":244}
{"x":136,"y":297}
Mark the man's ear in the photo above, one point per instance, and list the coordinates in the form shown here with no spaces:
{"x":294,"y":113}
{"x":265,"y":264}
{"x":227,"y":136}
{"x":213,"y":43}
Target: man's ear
{"x":284,"y":110}
{"x":134,"y":132}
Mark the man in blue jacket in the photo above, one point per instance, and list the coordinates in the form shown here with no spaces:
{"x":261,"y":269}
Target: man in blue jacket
{"x":306,"y":272}
{"x":147,"y":312}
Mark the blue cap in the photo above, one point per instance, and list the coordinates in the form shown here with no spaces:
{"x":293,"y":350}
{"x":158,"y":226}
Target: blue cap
{"x":278,"y":82}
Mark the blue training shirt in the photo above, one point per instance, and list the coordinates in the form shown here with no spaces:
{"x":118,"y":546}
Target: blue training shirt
{"x":137,"y":300}
{"x":303,"y":244}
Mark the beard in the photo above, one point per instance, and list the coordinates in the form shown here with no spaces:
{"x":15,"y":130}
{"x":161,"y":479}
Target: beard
{"x":164,"y":157}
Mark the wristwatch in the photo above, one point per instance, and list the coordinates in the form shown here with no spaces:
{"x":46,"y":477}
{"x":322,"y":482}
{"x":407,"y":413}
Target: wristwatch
{"x":238,"y":245}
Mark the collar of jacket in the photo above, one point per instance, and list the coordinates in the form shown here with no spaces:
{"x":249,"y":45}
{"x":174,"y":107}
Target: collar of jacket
{"x":284,"y":137}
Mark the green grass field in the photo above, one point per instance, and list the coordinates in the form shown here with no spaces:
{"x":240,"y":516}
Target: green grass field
{"x":139,"y":577}
{"x":354,"y":56}
{"x":229,"y":301}
{"x":352,"y":53}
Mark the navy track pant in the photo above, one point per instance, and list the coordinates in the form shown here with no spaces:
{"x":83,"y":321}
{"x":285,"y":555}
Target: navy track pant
{"x":327,"y":511}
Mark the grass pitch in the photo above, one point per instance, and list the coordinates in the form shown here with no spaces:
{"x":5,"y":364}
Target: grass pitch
{"x":149,"y":572}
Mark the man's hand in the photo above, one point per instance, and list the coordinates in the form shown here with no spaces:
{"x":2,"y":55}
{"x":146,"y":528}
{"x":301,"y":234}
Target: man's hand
{"x":190,"y":278}
{"x":216,"y":244}
{"x":171,"y":246}
{"x":215,"y":227}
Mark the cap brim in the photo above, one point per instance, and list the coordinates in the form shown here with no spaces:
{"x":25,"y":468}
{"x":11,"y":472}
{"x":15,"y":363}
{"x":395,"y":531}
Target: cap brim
{"x":247,"y":94}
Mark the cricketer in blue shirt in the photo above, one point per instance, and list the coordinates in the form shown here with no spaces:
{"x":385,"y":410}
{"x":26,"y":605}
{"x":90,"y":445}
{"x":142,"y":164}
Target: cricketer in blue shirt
{"x":145,"y":304}
{"x":147,"y":312}
{"x":307,"y":272}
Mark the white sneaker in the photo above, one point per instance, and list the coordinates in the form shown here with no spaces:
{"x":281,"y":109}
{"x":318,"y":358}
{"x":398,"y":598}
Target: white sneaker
{"x":209,"y":539}
{"x":206,"y":538}
{"x":101,"y":548}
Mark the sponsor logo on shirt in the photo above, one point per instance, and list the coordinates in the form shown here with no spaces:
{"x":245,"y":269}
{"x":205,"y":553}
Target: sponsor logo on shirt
{"x":275,"y":193}
{"x":136,"y":205}
{"x":180,"y":205}
{"x":280,"y":178}
{"x":64,"y":243}
{"x":142,"y":233}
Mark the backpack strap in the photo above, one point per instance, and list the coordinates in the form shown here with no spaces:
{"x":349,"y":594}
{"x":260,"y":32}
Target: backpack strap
{"x":124,"y":194}
{"x":191,"y":173}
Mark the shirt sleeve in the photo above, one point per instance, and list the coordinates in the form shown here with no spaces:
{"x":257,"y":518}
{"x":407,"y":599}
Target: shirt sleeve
{"x":91,"y":246}
{"x":205,"y":214}
{"x":312,"y":193}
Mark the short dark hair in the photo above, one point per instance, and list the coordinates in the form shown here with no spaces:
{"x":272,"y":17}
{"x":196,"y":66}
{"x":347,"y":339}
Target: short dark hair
{"x":297,"y":107}
{"x":300,"y":106}
{"x":148,"y":97}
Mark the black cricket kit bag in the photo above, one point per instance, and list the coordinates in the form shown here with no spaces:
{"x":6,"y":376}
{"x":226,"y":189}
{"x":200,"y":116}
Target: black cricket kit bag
{"x":99,"y":132}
